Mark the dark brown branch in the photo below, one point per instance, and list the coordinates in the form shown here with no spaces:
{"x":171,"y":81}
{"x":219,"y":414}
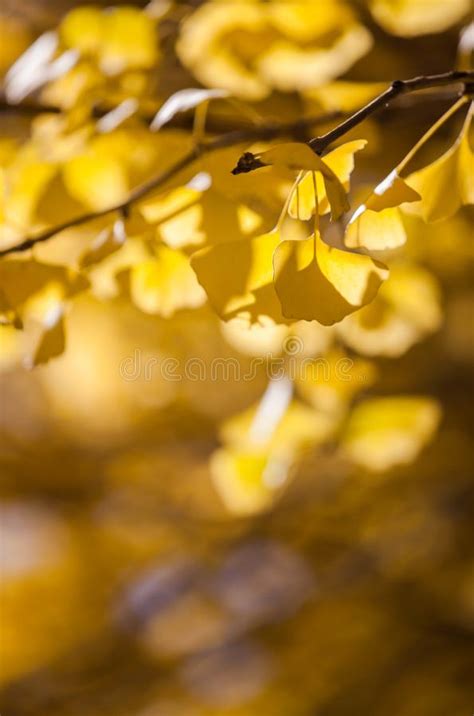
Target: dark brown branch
{"x":248,"y":161}
{"x":261,"y":132}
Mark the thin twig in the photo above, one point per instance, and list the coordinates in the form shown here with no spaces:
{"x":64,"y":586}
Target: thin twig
{"x":263,"y":132}
{"x":248,"y":161}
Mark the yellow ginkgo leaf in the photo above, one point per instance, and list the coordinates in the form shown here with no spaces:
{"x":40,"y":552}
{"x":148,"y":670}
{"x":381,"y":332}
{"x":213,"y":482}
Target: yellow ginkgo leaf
{"x":43,"y":315}
{"x":10,"y":347}
{"x":317,"y":282}
{"x":409,"y":18}
{"x":377,"y":225}
{"x":297,"y":155}
{"x":344,"y":95}
{"x":406,"y":309}
{"x":247,"y":481}
{"x":165,"y":284}
{"x":288,"y":67}
{"x":329,"y":383}
{"x":98,"y":182}
{"x":21,"y":280}
{"x":238,"y":277}
{"x":298,"y":427}
{"x":123,"y":38}
{"x":384,"y":432}
{"x":341,"y":162}
{"x":447,"y":183}
{"x":82,"y":29}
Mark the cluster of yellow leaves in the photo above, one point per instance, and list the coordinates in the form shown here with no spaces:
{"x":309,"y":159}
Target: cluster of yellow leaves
{"x":214,"y":235}
{"x":268,"y":276}
{"x":251,"y":47}
{"x":115,"y":50}
{"x":34,"y":296}
{"x":262,"y":446}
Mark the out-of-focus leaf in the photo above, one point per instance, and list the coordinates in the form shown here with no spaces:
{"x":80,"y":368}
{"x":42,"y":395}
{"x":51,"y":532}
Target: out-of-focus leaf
{"x":383,"y":432}
{"x":123,"y":38}
{"x":409,"y":18}
{"x":164,"y":284}
{"x":406,"y":309}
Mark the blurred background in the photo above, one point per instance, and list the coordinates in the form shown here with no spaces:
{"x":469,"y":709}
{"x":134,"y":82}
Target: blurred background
{"x":154,"y":561}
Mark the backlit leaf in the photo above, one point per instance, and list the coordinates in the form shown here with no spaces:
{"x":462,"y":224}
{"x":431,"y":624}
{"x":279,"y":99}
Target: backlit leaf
{"x":296,"y":155}
{"x":341,"y":162}
{"x":377,"y":225}
{"x":316,"y":282}
{"x":384,"y":432}
{"x":238,"y":277}
{"x":165,"y":284}
{"x":447,"y":183}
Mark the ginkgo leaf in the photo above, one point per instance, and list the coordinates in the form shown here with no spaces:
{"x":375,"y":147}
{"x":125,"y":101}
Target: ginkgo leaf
{"x":251,"y":47}
{"x":238,"y":277}
{"x":316,"y":282}
{"x":377,"y":225}
{"x":288,"y":67}
{"x":10,"y":346}
{"x":20,"y":280}
{"x":406,"y":309}
{"x":164,"y":284}
{"x":43,"y":314}
{"x":446,"y":184}
{"x":123,"y":38}
{"x":297,"y":155}
{"x":344,"y":95}
{"x":247,"y":481}
{"x":297,"y":427}
{"x":329,"y":383}
{"x":341,"y":162}
{"x":409,"y":18}
{"x":98,"y":182}
{"x":82,"y":29}
{"x":50,"y":343}
{"x":384,"y":432}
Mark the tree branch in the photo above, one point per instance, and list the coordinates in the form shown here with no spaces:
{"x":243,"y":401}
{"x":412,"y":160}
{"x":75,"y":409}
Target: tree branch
{"x":263,"y":132}
{"x":248,"y":161}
